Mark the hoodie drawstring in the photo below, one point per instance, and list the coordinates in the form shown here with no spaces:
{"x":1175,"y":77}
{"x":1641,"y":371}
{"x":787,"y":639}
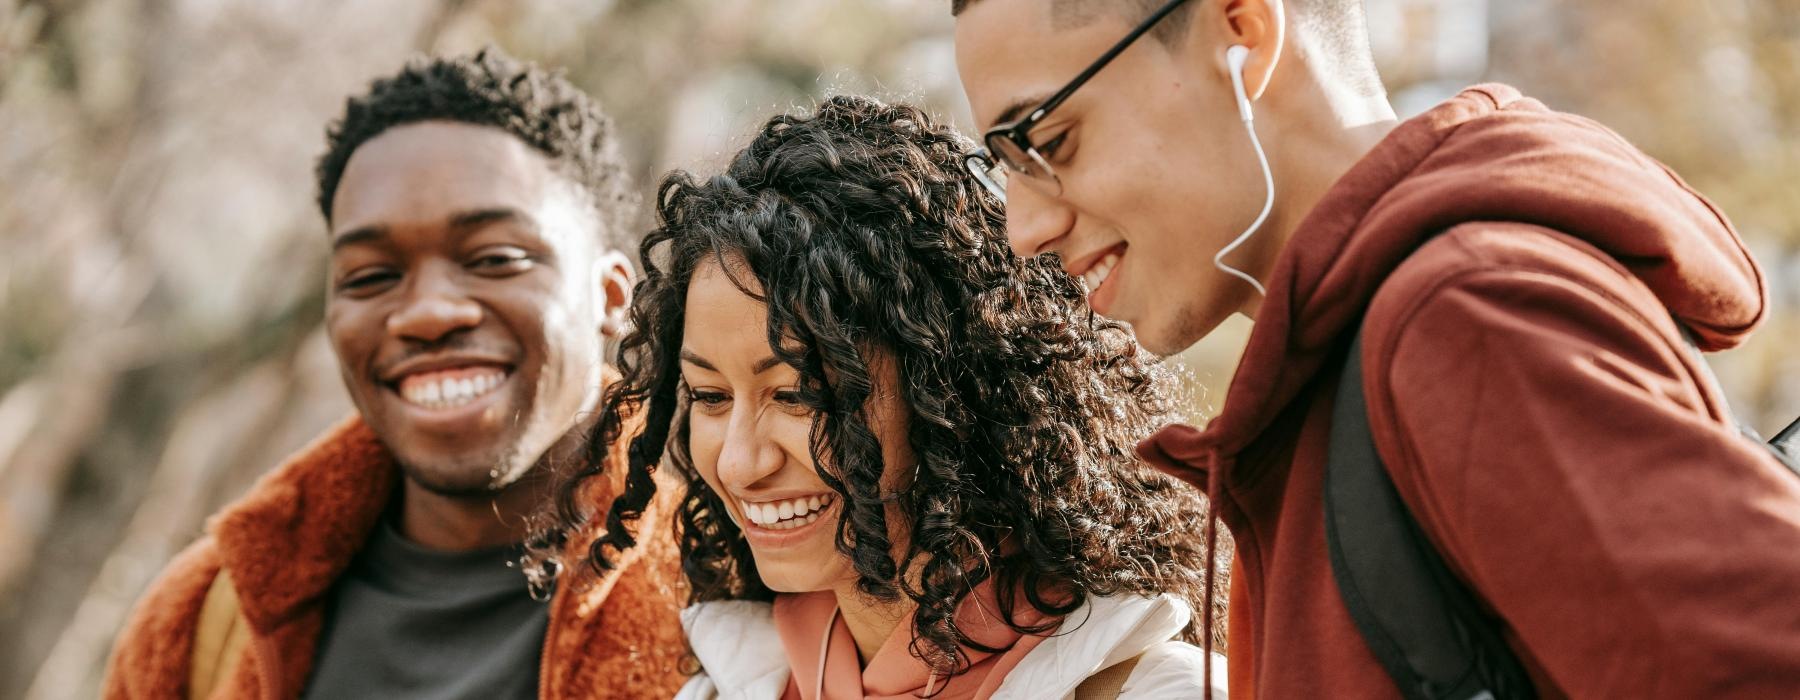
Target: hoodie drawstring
{"x":825,"y":653}
{"x":1212,"y":564}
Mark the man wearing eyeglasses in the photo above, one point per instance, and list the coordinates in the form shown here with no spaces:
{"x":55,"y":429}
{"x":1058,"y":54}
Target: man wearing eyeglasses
{"x":1524,"y":284}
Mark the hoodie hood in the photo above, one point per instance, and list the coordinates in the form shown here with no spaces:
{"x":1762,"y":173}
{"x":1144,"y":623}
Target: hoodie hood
{"x":1486,"y":155}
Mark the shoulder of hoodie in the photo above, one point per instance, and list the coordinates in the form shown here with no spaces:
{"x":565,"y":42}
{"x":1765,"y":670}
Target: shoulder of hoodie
{"x":1564,"y":169}
{"x":1506,"y":263}
{"x":151,"y":654}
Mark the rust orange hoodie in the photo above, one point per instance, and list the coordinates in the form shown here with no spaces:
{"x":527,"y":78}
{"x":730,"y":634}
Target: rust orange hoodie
{"x":1515,"y":270}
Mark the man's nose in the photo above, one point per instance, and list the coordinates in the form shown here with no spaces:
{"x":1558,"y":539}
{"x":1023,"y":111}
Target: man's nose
{"x":435,"y":306}
{"x":1034,"y":221}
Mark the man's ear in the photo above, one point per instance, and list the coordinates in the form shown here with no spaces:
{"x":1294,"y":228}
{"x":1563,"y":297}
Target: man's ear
{"x":1257,"y":25}
{"x":614,"y":278}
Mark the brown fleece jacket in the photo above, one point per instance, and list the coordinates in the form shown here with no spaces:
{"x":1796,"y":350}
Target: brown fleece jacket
{"x":287,"y":541}
{"x":1514,"y":272}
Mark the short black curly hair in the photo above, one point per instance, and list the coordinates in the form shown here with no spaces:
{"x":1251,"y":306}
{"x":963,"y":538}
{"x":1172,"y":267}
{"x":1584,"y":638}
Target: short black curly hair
{"x":490,"y":88}
{"x":873,"y":244}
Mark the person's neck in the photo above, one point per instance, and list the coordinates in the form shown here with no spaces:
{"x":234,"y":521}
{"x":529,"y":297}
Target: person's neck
{"x":870,"y":621}
{"x":1323,"y":128}
{"x":457,"y":523}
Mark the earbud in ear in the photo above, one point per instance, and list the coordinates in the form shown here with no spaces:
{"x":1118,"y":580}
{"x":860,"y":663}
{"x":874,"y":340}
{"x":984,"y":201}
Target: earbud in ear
{"x":1235,"y":58}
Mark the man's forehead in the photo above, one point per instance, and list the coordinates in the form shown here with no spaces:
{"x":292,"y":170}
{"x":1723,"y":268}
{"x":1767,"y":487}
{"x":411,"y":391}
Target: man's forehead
{"x":431,"y":171}
{"x":1065,"y":14}
{"x":1013,"y":52}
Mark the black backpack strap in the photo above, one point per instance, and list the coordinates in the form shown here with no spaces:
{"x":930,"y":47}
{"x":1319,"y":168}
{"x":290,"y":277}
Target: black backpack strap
{"x":1422,"y":624}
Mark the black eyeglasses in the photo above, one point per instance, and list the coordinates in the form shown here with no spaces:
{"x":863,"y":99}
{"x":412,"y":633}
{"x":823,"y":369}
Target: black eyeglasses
{"x":1010,"y":143}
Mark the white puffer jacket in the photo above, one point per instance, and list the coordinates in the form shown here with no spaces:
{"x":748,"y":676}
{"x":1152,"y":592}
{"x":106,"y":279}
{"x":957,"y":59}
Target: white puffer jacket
{"x":741,"y":656}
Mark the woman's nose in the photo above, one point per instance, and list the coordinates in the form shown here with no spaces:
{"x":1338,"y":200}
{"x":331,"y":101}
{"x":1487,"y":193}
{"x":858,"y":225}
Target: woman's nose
{"x":748,"y":455}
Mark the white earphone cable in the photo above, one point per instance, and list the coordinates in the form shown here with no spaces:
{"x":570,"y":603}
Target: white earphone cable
{"x":1237,"y":83}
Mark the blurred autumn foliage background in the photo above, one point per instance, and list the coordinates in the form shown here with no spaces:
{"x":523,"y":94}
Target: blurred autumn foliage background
{"x":162,"y":266}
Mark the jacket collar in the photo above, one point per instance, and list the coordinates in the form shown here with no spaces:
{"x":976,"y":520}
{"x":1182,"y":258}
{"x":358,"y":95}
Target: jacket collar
{"x":299,"y":527}
{"x":740,"y":649}
{"x":1101,"y":633}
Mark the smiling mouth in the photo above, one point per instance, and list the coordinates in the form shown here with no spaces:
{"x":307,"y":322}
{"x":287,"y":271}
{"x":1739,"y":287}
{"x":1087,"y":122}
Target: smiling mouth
{"x":1096,"y":274}
{"x":787,"y":514}
{"x":452,"y":387}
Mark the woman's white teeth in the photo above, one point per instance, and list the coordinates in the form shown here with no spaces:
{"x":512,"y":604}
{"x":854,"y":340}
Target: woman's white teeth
{"x":449,"y":389}
{"x":1096,"y":275}
{"x":787,"y":514}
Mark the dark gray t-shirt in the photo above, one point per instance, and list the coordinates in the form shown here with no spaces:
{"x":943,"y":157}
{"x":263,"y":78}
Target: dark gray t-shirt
{"x":409,"y":623}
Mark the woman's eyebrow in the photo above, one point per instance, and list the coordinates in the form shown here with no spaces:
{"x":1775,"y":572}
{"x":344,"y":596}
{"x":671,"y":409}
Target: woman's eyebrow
{"x":761,"y":366}
{"x":691,"y":358}
{"x":765,"y":364}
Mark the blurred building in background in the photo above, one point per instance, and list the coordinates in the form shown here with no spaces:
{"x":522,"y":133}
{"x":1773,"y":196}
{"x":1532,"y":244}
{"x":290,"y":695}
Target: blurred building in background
{"x":162,"y":263}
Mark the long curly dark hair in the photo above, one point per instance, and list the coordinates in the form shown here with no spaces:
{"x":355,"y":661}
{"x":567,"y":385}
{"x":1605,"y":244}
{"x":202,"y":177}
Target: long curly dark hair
{"x":872,"y":243}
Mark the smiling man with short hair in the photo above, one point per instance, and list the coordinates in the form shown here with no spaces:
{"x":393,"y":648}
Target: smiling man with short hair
{"x":1524,"y":284}
{"x":477,"y":208}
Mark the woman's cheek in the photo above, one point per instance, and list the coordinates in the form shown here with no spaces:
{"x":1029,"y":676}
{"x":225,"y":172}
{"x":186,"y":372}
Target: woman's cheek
{"x":796,"y":437}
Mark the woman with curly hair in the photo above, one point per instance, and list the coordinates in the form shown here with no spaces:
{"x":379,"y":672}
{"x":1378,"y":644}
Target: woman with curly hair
{"x":907,"y":452}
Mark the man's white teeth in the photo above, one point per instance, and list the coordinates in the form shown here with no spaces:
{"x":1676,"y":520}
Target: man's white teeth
{"x":788,"y":514}
{"x":435,"y":390}
{"x":1096,"y":275}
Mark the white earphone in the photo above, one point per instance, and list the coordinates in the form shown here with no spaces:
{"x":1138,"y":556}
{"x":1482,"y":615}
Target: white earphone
{"x":1235,"y":58}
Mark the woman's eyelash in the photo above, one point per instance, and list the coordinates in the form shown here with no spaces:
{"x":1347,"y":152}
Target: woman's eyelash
{"x":706,"y":398}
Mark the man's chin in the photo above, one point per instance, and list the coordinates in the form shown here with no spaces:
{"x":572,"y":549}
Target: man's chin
{"x":1163,"y":348}
{"x":462,"y":477}
{"x":1155,"y":337}
{"x":1176,"y":329}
